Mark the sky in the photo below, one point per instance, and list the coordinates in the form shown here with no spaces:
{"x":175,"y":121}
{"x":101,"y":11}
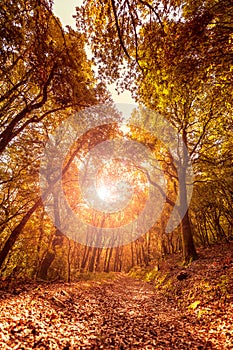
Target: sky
{"x":65,"y":10}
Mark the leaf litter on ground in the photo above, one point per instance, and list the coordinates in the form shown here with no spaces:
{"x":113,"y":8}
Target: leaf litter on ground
{"x":124,"y":312}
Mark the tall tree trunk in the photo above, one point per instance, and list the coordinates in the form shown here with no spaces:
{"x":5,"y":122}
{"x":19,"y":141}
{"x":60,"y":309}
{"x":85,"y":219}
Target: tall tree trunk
{"x":91,"y":267}
{"x":188,"y":247}
{"x":107,"y":269}
{"x":116,"y":260}
{"x":97,"y":264}
{"x":69,"y":262}
{"x":132,"y":254}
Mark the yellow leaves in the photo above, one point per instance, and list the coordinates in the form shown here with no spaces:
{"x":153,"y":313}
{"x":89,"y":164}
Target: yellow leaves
{"x":228,"y":105}
{"x":204,"y":312}
{"x":166,"y":91}
{"x":194,"y":305}
{"x":230,"y":39}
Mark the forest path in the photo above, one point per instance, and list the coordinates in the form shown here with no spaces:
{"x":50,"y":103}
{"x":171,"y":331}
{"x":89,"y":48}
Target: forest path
{"x":121,"y":314}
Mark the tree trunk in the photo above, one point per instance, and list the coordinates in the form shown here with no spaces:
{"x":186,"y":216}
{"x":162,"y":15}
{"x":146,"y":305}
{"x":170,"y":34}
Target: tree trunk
{"x":16,"y":232}
{"x":57,"y":239}
{"x":108,"y":259}
{"x":69,"y":262}
{"x":85,"y":258}
{"x":188,"y":247}
{"x":50,"y":255}
{"x":97,"y":264}
{"x":46,"y":263}
{"x":91,"y":267}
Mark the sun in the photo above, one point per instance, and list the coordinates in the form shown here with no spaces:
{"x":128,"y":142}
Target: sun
{"x":104,"y":193}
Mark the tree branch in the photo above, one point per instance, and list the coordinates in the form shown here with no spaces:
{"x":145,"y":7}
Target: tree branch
{"x":118,"y":29}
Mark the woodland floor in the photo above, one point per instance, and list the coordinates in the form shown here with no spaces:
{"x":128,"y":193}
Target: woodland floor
{"x":125,"y":313}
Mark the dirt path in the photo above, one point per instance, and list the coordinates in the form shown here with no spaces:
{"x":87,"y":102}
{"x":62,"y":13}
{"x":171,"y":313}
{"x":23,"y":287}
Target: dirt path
{"x":120,"y":314}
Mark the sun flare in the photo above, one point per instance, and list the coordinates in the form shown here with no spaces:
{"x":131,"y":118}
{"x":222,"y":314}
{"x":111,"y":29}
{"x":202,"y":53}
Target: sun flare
{"x":104,"y":192}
